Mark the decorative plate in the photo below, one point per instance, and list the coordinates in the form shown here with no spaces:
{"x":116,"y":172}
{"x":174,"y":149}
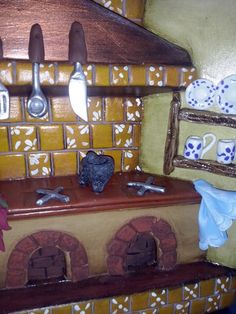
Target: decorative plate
{"x":226,"y":94}
{"x":200,"y":94}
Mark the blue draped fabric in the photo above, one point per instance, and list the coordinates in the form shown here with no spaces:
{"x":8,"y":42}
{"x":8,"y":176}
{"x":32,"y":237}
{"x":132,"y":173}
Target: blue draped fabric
{"x":216,"y":214}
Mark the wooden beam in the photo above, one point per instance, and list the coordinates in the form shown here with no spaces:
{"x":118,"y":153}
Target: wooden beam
{"x":110,"y":38}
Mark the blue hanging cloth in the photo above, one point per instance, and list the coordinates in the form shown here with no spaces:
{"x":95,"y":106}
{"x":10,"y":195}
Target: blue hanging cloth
{"x":216,"y":214}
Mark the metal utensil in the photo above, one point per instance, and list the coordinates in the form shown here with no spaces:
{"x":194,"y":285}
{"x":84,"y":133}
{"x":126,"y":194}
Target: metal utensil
{"x":4,"y":95}
{"x":77,"y":83}
{"x":37,"y":105}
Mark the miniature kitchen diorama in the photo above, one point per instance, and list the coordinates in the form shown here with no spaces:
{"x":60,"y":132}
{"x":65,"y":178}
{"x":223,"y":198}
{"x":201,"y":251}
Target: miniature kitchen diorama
{"x":116,"y":162}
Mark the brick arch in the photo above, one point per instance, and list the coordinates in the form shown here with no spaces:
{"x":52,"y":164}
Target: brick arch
{"x":158,"y":228}
{"x":17,"y":264}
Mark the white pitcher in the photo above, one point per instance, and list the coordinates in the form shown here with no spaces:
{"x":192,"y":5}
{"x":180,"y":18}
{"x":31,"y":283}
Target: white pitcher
{"x":196,"y":147}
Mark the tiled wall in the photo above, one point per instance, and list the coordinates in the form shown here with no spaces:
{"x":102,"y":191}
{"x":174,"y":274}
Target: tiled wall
{"x":197,"y":298}
{"x":131,"y":9}
{"x":54,"y":144}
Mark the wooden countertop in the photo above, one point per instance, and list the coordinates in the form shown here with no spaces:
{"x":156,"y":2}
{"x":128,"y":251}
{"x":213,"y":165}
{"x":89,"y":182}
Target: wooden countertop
{"x":21,"y":196}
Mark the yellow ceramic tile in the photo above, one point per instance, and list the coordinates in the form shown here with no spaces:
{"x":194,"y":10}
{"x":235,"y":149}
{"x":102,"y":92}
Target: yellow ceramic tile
{"x":6,"y":72}
{"x":227,"y":299}
{"x":191,"y":291}
{"x":83,"y":307}
{"x":4,"y":147}
{"x":188,"y":75}
{"x":102,"y":135}
{"x":23,"y":73}
{"x":88,"y":72}
{"x":64,"y":72}
{"x":233,"y":282}
{"x":77,"y":136}
{"x":131,"y":158}
{"x":12,"y":167}
{"x":116,"y":155}
{"x":158,"y":298}
{"x":182,"y":308}
{"x":198,"y":306}
{"x":23,"y":138}
{"x":47,"y":72}
{"x":15,"y":110}
{"x":169,"y":309}
{"x":155,"y":76}
{"x":134,"y":107}
{"x":213,"y":303}
{"x":95,"y":109}
{"x":39,"y":165}
{"x":101,"y":306}
{"x":134,"y":9}
{"x":222,"y":284}
{"x":137,"y":135}
{"x":114,"y":109}
{"x":149,"y":311}
{"x":139,"y":301}
{"x":123,"y":135}
{"x":172,"y":76}
{"x":28,"y":118}
{"x":51,"y":137}
{"x":120,"y":305}
{"x":137,"y":75}
{"x":175,"y":295}
{"x":113,"y":5}
{"x":102,"y":75}
{"x":207,"y":287}
{"x":119,"y":75}
{"x":62,"y":110}
{"x":65,"y":164}
{"x":64,"y":309}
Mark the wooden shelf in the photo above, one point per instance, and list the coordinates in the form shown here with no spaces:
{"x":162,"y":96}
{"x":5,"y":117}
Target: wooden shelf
{"x":205,"y":165}
{"x":172,"y":159}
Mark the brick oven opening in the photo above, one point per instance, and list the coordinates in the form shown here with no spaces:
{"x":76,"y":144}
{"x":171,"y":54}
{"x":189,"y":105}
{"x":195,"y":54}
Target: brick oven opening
{"x":47,"y":264}
{"x":141,"y":252}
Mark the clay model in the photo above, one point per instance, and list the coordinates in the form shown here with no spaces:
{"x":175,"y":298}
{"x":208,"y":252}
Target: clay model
{"x":96,"y":170}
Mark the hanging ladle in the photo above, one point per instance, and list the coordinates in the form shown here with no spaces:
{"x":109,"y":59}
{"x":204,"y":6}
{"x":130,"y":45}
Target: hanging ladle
{"x":37,"y":105}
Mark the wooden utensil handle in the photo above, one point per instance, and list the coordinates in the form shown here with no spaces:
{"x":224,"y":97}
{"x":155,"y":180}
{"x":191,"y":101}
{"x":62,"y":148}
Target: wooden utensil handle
{"x":36,"y":45}
{"x":1,"y":49}
{"x":77,"y":44}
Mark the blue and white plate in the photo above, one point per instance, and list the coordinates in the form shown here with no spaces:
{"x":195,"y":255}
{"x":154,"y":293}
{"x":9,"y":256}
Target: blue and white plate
{"x":200,"y":94}
{"x":226,"y":94}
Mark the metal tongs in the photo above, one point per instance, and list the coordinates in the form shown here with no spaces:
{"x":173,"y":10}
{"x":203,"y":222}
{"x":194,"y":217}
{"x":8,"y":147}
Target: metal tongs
{"x":146,"y":186}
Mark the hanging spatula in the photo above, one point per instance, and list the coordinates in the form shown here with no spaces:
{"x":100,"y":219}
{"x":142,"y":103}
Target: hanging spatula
{"x":77,"y":83}
{"x":4,"y":95}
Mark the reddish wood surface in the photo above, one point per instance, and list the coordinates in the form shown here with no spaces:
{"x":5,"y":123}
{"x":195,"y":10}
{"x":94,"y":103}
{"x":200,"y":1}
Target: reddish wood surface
{"x":106,"y":286}
{"x":109,"y":37}
{"x":21,"y":195}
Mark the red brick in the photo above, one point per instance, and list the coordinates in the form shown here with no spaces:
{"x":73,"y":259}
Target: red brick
{"x":167,"y":261}
{"x":80,"y":273}
{"x":161,"y":228}
{"x":26,"y":245}
{"x":115,"y":265}
{"x":16,"y":278}
{"x":143,"y":224}
{"x":168,"y":243}
{"x":47,"y":238}
{"x":17,"y":260}
{"x":117,"y":247}
{"x":126,"y":233}
{"x":68,"y":243}
{"x":78,"y":258}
